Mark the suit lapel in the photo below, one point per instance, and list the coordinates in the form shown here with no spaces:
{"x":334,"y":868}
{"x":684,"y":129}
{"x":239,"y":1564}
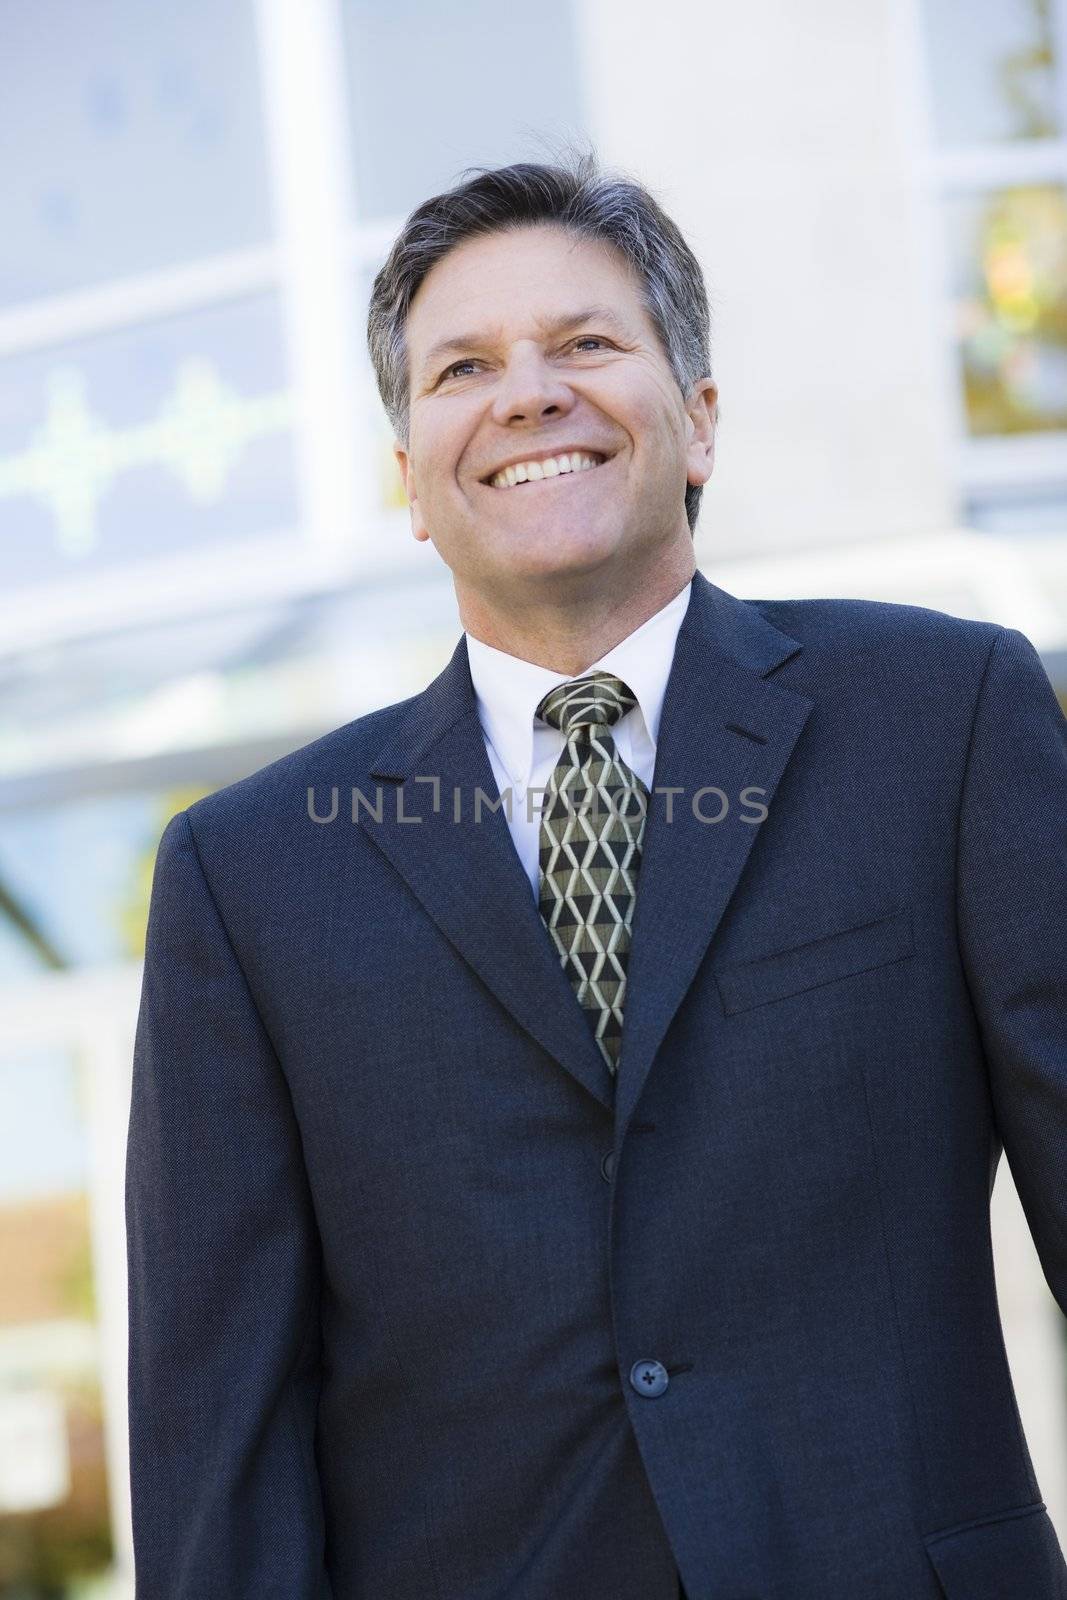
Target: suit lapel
{"x":468,"y":875}
{"x":722,"y":725}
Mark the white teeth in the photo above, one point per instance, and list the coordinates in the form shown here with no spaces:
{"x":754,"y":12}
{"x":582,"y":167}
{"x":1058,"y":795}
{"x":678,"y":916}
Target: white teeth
{"x":552,"y":467}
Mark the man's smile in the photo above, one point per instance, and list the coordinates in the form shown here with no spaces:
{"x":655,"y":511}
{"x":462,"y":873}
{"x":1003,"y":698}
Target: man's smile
{"x":544,"y":469}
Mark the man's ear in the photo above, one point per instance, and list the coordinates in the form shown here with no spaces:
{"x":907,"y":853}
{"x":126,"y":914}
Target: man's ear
{"x":407,"y":473}
{"x":702,"y":410}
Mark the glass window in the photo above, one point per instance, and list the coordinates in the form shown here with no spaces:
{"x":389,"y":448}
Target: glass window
{"x":1022,"y":510}
{"x":993,"y":70}
{"x":145,"y":441}
{"x":1008,"y":251}
{"x":437,"y":88}
{"x":135,"y":139}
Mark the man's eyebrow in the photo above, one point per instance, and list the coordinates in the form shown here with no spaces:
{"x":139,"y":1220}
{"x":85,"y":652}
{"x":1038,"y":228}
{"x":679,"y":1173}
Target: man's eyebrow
{"x":552,"y":326}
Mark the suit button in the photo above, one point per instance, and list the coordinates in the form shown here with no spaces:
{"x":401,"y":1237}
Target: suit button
{"x":649,"y":1378}
{"x":607,"y":1166}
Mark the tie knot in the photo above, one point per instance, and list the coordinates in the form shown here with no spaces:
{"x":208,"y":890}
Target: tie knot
{"x":600,"y":698}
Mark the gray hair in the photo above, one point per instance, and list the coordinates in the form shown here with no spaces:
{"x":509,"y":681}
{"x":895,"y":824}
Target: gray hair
{"x":574,"y":193}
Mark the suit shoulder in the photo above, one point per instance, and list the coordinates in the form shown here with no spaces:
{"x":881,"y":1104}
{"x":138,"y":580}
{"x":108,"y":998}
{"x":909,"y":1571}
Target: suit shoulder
{"x":834,"y":626}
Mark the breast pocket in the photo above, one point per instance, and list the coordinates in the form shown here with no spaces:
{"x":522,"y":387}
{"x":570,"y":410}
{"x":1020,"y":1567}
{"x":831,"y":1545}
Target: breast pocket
{"x":816,"y":962}
{"x":1015,"y":1553}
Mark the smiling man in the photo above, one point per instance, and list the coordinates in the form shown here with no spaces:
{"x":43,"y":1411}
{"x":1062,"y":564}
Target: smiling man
{"x":548,"y":445}
{"x":564,"y":1172}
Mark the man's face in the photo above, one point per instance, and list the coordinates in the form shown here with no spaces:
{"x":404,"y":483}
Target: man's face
{"x":530,"y":344}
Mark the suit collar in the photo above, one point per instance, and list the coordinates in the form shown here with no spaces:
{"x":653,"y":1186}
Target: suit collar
{"x":715,"y":622}
{"x":509,"y":690}
{"x":723,"y":725}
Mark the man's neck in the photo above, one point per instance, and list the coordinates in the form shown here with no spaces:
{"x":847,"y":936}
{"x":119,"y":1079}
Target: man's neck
{"x":569,"y":637}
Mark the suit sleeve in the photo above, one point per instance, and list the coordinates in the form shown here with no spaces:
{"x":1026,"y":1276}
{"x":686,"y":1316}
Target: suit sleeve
{"x":224,"y":1267}
{"x":1012,"y":918}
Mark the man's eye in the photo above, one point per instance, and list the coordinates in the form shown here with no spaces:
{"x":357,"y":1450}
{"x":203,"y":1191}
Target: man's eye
{"x":582,"y":338}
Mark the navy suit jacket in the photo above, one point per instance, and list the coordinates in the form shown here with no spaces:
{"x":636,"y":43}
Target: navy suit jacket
{"x":423,"y":1306}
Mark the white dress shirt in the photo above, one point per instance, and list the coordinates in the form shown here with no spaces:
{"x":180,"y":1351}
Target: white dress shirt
{"x":523,"y":752}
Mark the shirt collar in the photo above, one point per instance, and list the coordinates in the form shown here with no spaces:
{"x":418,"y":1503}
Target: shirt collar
{"x":509,"y":690}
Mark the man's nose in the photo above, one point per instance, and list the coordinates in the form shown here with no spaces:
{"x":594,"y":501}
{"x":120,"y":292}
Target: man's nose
{"x":529,"y":388}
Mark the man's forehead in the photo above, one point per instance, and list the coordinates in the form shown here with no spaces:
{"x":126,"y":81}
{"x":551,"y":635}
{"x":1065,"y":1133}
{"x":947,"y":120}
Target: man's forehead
{"x":520,"y":256}
{"x":535,"y":295}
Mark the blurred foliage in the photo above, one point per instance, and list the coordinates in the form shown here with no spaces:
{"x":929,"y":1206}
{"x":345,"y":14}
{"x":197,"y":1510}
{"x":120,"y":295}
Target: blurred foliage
{"x":1012,"y":315}
{"x":76,"y":1286}
{"x":44,"y":1553}
{"x":1025,"y":75}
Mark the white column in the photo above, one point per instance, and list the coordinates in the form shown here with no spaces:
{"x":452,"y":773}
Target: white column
{"x":302,"y":51}
{"x":782,"y":139}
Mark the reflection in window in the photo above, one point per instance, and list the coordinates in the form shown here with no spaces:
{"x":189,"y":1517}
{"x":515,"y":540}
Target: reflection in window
{"x":1009,"y":263}
{"x":993,"y":68}
{"x":144,"y":442}
{"x":54,"y":1505}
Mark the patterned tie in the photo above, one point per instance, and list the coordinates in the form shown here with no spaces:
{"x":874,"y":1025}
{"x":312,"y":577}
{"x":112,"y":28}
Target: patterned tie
{"x":592,"y":825}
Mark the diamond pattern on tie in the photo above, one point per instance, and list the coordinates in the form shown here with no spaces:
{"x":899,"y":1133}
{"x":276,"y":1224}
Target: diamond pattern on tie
{"x":592,"y":827}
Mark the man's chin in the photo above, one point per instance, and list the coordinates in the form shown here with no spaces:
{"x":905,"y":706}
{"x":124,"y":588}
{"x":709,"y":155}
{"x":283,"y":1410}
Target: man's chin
{"x":561,"y":546}
{"x":550,"y":561}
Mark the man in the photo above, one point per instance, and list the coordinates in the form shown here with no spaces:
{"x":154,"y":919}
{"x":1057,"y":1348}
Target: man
{"x":570,"y":1178}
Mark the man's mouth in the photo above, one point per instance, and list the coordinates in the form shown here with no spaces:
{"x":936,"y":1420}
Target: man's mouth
{"x":569,"y":464}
